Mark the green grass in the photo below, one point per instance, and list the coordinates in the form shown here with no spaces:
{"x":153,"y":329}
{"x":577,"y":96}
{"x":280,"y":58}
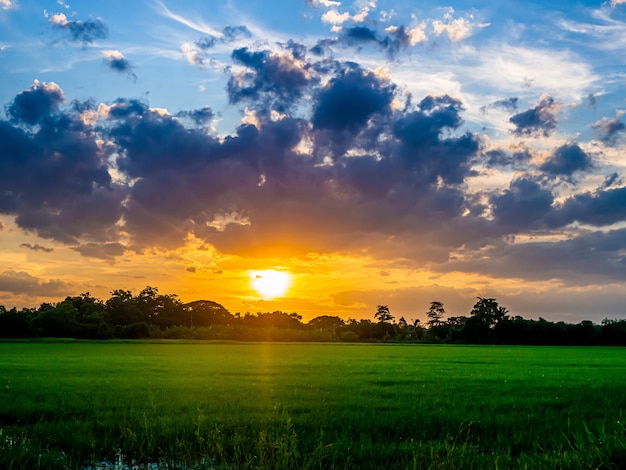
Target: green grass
{"x":274,"y":405}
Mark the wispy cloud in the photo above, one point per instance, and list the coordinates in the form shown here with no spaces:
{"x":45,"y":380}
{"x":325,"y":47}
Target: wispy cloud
{"x":199,"y":26}
{"x":36,"y":247}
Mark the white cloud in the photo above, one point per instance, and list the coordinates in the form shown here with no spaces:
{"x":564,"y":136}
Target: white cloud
{"x":112,"y":55}
{"x":457,"y":29}
{"x":513,"y":68}
{"x":334,"y":17}
{"x":59,"y":19}
{"x":192,"y":53}
{"x":609,"y":35}
{"x":416,"y":34}
{"x":196,"y":25}
{"x":6,"y":4}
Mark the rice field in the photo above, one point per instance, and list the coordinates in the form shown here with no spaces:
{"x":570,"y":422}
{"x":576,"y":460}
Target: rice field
{"x":105,"y":405}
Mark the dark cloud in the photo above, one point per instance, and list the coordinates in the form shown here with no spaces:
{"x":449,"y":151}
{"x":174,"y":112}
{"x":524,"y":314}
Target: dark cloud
{"x":54,"y":176}
{"x":81,"y":31}
{"x":20,"y":282}
{"x":233,"y":33}
{"x":609,"y":130}
{"x":423,"y":147}
{"x":508,"y":104}
{"x":392,"y":41}
{"x":566,"y":160}
{"x":200,"y":116}
{"x":350,"y":99}
{"x":206,"y":42}
{"x":611,"y":180}
{"x":119,"y":64}
{"x":271,"y":80}
{"x":341,"y":154}
{"x":592,"y":99}
{"x":36,"y":247}
{"x":502,"y":158}
{"x":116,"y":61}
{"x":540,"y":120}
{"x":522,"y":206}
{"x":152,"y":142}
{"x":600,"y":208}
{"x":105,"y":251}
{"x":122,"y":108}
{"x":36,"y":103}
{"x":359,"y":34}
{"x":588,"y":258}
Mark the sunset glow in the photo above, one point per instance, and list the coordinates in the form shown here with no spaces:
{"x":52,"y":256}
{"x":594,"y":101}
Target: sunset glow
{"x":270,"y":283}
{"x":349,"y":155}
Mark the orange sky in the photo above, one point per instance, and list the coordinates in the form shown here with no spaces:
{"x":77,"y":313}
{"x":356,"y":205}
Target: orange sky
{"x":381,"y":153}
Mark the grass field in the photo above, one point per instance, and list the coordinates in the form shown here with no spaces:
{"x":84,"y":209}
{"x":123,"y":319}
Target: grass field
{"x":270,"y":405}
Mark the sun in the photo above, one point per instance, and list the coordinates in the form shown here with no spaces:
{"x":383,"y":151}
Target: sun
{"x":270,"y":283}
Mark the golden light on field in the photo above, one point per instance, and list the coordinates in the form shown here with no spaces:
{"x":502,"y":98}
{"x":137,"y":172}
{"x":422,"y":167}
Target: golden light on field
{"x":270,"y":283}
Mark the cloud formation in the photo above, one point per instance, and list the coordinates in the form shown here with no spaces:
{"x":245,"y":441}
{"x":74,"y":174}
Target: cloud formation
{"x":20,"y":283}
{"x":566,"y":160}
{"x":40,"y":101}
{"x":36,"y":247}
{"x":116,"y":61}
{"x":610,"y":131}
{"x":540,"y":120}
{"x":328,"y":152}
{"x":54,"y":174}
{"x":78,"y":30}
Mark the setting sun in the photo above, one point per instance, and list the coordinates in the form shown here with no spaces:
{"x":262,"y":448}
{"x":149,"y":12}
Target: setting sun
{"x":270,"y":283}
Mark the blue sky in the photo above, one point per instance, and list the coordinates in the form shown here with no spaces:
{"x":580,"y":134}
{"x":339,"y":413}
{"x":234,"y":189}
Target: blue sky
{"x":379,"y":152}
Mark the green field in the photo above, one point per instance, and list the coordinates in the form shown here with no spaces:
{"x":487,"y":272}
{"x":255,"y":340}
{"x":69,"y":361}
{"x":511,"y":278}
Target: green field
{"x":276,"y":405}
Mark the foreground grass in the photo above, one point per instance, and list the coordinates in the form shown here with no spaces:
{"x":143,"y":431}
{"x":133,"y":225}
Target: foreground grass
{"x":268,"y":405}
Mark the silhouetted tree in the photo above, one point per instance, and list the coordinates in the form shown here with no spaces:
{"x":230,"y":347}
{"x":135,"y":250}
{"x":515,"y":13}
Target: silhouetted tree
{"x":484,"y":323}
{"x":613,"y":332}
{"x":435,"y":314}
{"x":14,"y":324}
{"x":57,"y":321}
{"x":158,"y":309}
{"x":151,"y":314}
{"x":91,"y":316}
{"x":326,"y":322}
{"x":368,"y":330}
{"x":206,"y":313}
{"x":489,"y":312}
{"x":122,"y":308}
{"x":383,"y":314}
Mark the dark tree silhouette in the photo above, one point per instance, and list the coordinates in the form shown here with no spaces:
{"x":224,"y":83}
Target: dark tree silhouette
{"x":487,"y":322}
{"x":206,"y":313}
{"x":151,"y":314}
{"x":326,"y":322}
{"x":435,"y":314}
{"x":383,"y":314}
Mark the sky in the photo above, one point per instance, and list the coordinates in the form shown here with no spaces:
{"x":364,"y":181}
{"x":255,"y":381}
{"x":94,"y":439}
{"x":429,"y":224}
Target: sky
{"x":376,"y":152}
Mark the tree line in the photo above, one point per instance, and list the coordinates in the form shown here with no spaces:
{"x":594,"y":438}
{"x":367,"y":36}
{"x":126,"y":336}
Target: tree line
{"x":150,"y":314}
